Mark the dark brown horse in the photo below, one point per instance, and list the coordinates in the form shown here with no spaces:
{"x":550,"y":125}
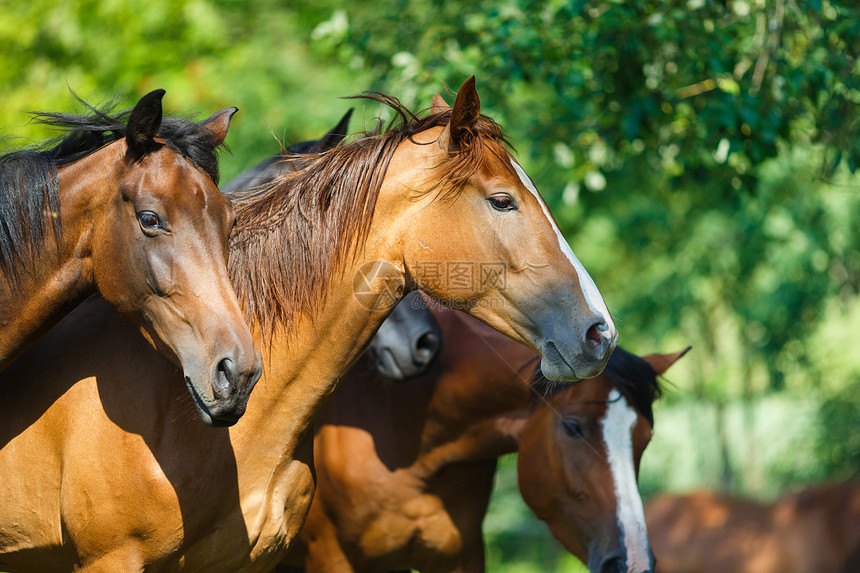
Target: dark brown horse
{"x":405,"y":470}
{"x":816,"y":530}
{"x":103,"y":469}
{"x":126,"y":205}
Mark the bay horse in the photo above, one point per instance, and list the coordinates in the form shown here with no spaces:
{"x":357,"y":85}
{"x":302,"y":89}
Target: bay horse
{"x":104,"y":470}
{"x":405,"y":471}
{"x":127,"y":206}
{"x":810,"y":531}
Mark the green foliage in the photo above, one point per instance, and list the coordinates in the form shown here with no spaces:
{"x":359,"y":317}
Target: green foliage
{"x":682,"y":82}
{"x":207,"y":55}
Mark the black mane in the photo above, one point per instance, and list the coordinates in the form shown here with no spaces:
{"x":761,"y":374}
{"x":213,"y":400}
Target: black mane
{"x":629,"y":373}
{"x":29,"y":186}
{"x":635,"y":379}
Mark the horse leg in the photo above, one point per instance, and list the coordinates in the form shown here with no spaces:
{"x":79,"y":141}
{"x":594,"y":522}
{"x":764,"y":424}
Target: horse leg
{"x":126,"y":559}
{"x":470,"y":560}
{"x":323,"y":553}
{"x":328,"y":560}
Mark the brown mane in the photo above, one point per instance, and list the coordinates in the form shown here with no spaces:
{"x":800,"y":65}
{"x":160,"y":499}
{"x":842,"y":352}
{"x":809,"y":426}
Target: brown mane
{"x":294,"y":232}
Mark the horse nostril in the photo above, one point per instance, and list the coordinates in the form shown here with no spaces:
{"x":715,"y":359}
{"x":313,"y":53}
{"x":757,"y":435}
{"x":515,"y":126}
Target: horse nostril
{"x":426,"y":347}
{"x":224,"y":377}
{"x":594,"y":334}
{"x":613,"y":565}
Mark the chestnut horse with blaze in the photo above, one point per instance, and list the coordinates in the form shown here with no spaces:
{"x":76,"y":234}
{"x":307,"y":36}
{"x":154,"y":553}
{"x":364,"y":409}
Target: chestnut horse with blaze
{"x":405,"y":470}
{"x":815,"y":530}
{"x":104,"y":470}
{"x":127,"y":206}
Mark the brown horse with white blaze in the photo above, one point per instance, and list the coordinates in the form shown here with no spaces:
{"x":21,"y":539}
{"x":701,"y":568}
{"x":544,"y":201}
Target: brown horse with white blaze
{"x":578,"y":463}
{"x":127,"y":207}
{"x":405,"y":470}
{"x":111,"y":475}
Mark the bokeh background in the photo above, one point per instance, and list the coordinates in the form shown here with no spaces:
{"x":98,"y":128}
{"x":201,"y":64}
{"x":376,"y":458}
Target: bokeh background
{"x":699,"y":156}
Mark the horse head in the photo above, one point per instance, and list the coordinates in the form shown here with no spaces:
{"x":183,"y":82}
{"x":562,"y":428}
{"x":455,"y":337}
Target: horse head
{"x":474,"y":234}
{"x":578,"y":463}
{"x":160,"y":254}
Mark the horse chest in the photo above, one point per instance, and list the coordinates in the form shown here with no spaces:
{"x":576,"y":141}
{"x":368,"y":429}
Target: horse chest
{"x":274,"y":499}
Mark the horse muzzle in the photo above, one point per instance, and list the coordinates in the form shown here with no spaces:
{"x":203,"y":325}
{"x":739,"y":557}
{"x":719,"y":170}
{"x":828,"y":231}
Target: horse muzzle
{"x":221,"y":398}
{"x":615,"y":561}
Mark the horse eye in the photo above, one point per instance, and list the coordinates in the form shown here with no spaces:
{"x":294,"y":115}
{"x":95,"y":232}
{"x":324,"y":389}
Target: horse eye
{"x":572,"y":428}
{"x":149,"y":221}
{"x":502,"y":203}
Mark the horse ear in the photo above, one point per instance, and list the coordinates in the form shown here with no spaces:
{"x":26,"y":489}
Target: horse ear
{"x":218,"y":123}
{"x":438,"y":104}
{"x":661,"y":362}
{"x":464,"y":115}
{"x":143,"y":124}
{"x":336,"y":135}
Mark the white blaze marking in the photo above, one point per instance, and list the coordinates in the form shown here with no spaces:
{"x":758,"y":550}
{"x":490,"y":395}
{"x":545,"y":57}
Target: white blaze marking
{"x":617,"y":427}
{"x":586,"y":284}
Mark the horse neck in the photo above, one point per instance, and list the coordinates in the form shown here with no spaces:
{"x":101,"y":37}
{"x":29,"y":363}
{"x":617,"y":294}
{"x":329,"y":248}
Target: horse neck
{"x":61,"y":273}
{"x":302,"y":367}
